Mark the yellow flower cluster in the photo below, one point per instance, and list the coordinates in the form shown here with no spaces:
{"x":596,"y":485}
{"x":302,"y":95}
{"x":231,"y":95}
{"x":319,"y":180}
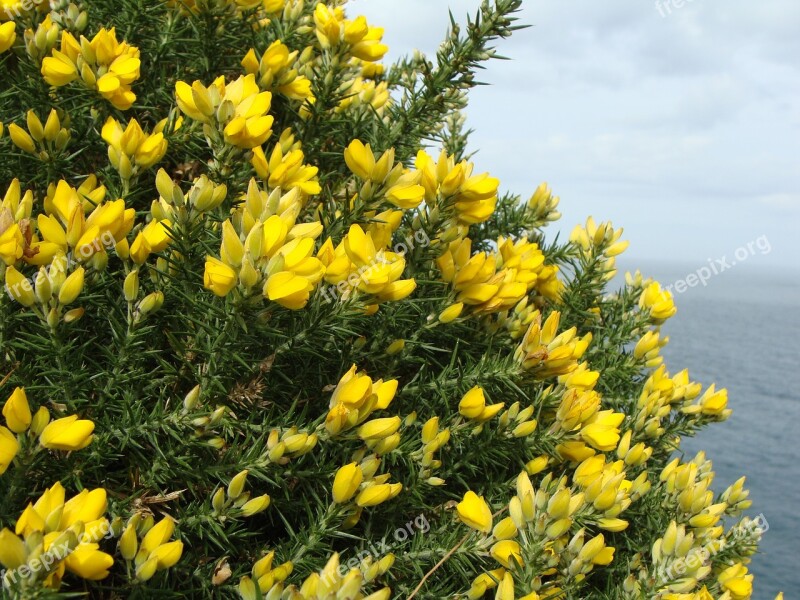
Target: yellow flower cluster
{"x":268,"y":581}
{"x":355,"y":398}
{"x":289,"y":444}
{"x":44,"y":141}
{"x":356,"y":37}
{"x":600,"y":242}
{"x":237,"y":111}
{"x":359,"y":263}
{"x":433,"y":439}
{"x":263,"y":246}
{"x":285,"y":168}
{"x":153,"y":552}
{"x":58,"y":536}
{"x":175,"y":206}
{"x":545,"y":352}
{"x":234,"y":500}
{"x":452,"y":188}
{"x":40,"y":43}
{"x":371,"y":489}
{"x":542,"y":519}
{"x":63,"y":244}
{"x":277,"y":70}
{"x":473,"y":406}
{"x":68,"y":433}
{"x":383,"y":176}
{"x":661,"y":393}
{"x":104,"y":64}
{"x":648,"y":347}
{"x":542,"y":206}
{"x":131,"y":149}
{"x":497,"y":281}
{"x":657,"y":303}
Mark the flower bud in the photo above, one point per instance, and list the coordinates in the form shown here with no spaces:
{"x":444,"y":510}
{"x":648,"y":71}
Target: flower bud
{"x":73,"y":315}
{"x":150,"y":303}
{"x":72,"y":287}
{"x":255,"y":505}
{"x":190,"y":400}
{"x":44,"y":291}
{"x":40,"y":420}
{"x":236,"y":486}
{"x":128,"y":543}
{"x":19,"y":287}
{"x":131,"y":286}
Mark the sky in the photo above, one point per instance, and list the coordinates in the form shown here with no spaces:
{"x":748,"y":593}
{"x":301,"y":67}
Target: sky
{"x":678,"y":120}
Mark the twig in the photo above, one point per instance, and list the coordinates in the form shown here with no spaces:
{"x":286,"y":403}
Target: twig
{"x":437,"y":565}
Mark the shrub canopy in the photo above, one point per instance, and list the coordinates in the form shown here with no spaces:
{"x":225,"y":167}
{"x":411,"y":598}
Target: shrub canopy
{"x":270,"y":331}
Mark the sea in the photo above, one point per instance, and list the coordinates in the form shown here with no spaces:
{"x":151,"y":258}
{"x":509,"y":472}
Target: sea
{"x":741,"y":330}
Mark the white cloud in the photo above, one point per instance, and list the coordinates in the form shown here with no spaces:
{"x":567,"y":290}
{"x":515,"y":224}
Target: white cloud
{"x":653,"y":121}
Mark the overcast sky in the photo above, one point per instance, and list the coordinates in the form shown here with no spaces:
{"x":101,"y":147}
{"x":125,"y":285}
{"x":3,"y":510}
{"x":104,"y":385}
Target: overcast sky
{"x":680,"y":124}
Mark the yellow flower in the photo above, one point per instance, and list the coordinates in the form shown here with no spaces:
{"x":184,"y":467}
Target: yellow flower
{"x":713,"y":402}
{"x":507,"y":553}
{"x":736,"y":581}
{"x":88,"y":562}
{"x":505,"y":590}
{"x":68,"y":433}
{"x":17,"y":411}
{"x":168,"y":554}
{"x":289,"y":290}
{"x":19,"y":287}
{"x":602,"y":431}
{"x":451,"y":313}
{"x":132,"y":148}
{"x":106,"y":66}
{"x":9,"y":446}
{"x":246,"y":124}
{"x":8,"y":33}
{"x":11,"y":244}
{"x":12,"y":550}
{"x":72,"y":287}
{"x":473,"y":403}
{"x":85,"y":507}
{"x":347,"y":480}
{"x":218,"y":277}
{"x":612,"y":524}
{"x":657,"y":302}
{"x":378,"y":493}
{"x":360,"y":159}
{"x":158,"y":534}
{"x":474,"y":512}
{"x":255,"y":505}
{"x":377,"y":429}
{"x":396,"y":290}
{"x":21,"y":138}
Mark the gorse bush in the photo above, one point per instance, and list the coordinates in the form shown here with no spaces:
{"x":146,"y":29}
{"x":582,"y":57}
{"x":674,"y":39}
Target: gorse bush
{"x":270,"y":332}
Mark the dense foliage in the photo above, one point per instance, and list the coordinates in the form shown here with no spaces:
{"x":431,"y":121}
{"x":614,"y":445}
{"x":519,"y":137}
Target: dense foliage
{"x":267,"y":331}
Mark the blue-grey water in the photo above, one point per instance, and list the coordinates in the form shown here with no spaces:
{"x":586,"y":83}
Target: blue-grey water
{"x":742,"y":331}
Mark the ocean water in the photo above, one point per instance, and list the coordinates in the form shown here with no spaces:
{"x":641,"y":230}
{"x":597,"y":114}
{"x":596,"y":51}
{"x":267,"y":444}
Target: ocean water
{"x":742,"y":331}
